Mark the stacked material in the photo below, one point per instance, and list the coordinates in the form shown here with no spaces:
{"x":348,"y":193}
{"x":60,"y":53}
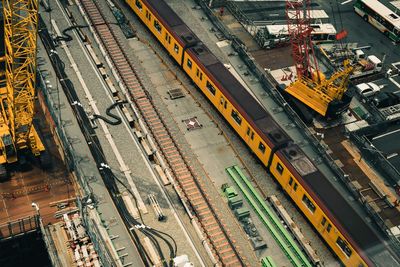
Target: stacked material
{"x":84,"y":254}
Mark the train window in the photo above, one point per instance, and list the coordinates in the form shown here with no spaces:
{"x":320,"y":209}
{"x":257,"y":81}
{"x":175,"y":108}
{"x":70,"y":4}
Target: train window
{"x":343,"y":245}
{"x":308,"y":203}
{"x":189,"y":63}
{"x":201,"y":77}
{"x":328,"y":229}
{"x":295,"y":186}
{"x":323,"y":222}
{"x":176,"y":48}
{"x":248,"y":131}
{"x":279,"y":168}
{"x":225,"y":104}
{"x":139,"y":5}
{"x":236,"y":117}
{"x":252,"y":136}
{"x":261,"y":147}
{"x":290,"y":181}
{"x":157,"y":26}
{"x":211,"y":88}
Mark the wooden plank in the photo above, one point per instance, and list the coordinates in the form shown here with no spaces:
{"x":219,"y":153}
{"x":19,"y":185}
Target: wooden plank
{"x":161,"y":174}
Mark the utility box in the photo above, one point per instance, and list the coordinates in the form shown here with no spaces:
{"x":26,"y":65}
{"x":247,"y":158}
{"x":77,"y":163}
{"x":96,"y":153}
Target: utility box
{"x":235,"y":202}
{"x":242,"y":213}
{"x":229,"y":191}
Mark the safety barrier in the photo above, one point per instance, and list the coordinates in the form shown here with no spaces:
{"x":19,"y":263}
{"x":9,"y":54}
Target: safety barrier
{"x":19,"y":227}
{"x":268,"y":218}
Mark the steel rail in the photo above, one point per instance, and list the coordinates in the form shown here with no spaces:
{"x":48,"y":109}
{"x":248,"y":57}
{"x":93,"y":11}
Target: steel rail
{"x":223,"y":248}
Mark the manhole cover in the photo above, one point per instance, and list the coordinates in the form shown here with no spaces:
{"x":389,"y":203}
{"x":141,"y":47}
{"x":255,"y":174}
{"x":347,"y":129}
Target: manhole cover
{"x":175,"y":93}
{"x":192,"y":124}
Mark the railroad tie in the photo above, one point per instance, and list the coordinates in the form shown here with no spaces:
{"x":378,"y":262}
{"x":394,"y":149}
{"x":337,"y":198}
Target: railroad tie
{"x":215,"y":234}
{"x":185,"y":177}
{"x":202,"y":207}
{"x":207,"y":224}
{"x":233,"y":262}
{"x":211,"y":229}
{"x":196,"y":198}
{"x":207,"y":217}
{"x":180,"y":165}
{"x":190,"y":187}
{"x":187,"y":182}
{"x":197,"y":203}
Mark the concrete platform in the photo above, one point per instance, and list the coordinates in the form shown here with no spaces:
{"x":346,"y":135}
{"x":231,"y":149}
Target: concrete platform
{"x":210,"y":147}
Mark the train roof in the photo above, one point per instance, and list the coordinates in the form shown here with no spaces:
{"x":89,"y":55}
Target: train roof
{"x":187,"y":37}
{"x":204,"y":55}
{"x":364,"y":236}
{"x":248,"y":104}
{"x":165,"y":12}
{"x":352,"y":222}
{"x":237,"y":91}
{"x":345,"y":217}
{"x":373,"y":245}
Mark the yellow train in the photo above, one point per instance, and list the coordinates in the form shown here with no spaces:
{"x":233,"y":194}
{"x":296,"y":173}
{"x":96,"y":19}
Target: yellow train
{"x":353,"y":241}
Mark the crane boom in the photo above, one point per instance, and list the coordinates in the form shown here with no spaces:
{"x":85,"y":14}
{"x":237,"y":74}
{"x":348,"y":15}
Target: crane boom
{"x":18,"y":97}
{"x":298,"y":15}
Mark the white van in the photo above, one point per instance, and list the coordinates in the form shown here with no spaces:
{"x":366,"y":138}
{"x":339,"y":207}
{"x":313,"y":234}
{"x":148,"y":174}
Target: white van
{"x":368,"y":89}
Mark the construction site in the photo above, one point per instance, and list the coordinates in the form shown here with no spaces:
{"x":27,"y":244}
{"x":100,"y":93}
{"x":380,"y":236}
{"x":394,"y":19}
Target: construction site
{"x":199,"y":133}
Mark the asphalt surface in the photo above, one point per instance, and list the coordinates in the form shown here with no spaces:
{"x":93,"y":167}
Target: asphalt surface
{"x":387,"y":143}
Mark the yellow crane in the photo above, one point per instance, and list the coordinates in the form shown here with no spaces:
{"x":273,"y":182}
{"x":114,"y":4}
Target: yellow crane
{"x":17,"y":132}
{"x":325,"y":96}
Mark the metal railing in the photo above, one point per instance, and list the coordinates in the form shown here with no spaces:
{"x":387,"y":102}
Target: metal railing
{"x":19,"y":227}
{"x":71,"y":159}
{"x":372,"y":154}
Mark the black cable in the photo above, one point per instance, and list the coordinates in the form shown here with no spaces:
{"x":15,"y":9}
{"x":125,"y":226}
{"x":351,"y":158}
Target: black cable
{"x":105,"y":171}
{"x":87,"y":131}
{"x":65,"y":36}
{"x":118,"y":120}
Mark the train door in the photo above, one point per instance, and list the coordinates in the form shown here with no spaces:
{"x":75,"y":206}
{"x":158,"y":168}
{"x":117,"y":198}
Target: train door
{"x":249,"y":135}
{"x":167,"y":40}
{"x":223,"y":105}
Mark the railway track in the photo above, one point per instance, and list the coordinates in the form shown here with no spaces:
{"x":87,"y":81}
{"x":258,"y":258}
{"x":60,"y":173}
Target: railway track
{"x":224,"y":251}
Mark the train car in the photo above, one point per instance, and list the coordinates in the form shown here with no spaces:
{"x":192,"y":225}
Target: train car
{"x":352,"y":240}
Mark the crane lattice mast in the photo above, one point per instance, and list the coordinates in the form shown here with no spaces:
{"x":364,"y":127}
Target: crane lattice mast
{"x":18,"y":98}
{"x":298,"y":13}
